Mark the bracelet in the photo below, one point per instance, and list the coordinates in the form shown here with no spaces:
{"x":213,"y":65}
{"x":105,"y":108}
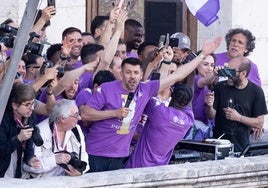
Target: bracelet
{"x":49,"y":93}
{"x":63,"y":58}
{"x":202,"y":56}
{"x":166,"y":62}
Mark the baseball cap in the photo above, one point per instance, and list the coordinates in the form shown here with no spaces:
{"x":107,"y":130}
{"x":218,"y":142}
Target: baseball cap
{"x":183,"y":40}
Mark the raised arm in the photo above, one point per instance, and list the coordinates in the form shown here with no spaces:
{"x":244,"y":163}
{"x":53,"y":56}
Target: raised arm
{"x":187,"y":68}
{"x":110,"y":48}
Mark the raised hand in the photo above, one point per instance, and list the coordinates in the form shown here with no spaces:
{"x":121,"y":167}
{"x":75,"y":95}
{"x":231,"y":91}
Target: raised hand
{"x":210,"y":47}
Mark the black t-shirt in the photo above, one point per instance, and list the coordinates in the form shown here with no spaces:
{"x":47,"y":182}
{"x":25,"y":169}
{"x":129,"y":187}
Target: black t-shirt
{"x":249,"y":102}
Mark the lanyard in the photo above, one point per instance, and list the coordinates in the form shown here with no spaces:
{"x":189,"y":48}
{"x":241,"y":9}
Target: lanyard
{"x":19,"y":123}
{"x":21,"y":126}
{"x":55,"y":140}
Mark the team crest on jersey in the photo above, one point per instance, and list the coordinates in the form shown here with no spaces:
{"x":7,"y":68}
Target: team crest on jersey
{"x":178,"y":121}
{"x":89,"y":90}
{"x":99,"y":89}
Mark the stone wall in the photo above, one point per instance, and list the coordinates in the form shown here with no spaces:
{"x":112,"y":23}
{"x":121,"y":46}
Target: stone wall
{"x":136,"y":10}
{"x":229,"y":173}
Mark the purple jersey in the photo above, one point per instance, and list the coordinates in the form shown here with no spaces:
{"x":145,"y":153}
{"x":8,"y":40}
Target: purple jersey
{"x":112,"y":137}
{"x":199,"y":105}
{"x":253,"y":75}
{"x":76,"y":65}
{"x":165,"y":127}
{"x":132,"y":54}
{"x":82,"y":98}
{"x":85,"y":81}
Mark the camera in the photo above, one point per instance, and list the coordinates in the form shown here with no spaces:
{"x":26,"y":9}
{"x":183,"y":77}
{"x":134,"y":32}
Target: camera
{"x":75,"y":162}
{"x":189,"y":58}
{"x":155,"y":76}
{"x":36,"y":137}
{"x":49,"y":64}
{"x":9,"y":35}
{"x":227,"y":72}
{"x":33,"y":47}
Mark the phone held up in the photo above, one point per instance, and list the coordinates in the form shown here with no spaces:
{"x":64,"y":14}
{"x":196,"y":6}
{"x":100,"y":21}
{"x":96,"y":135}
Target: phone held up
{"x":51,"y":3}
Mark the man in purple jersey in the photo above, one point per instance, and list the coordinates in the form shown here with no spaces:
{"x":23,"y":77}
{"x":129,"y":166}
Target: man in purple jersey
{"x":240,"y":42}
{"x":114,"y":123}
{"x":89,"y":54}
{"x":153,"y":148}
{"x":73,"y":35}
{"x":85,"y":94}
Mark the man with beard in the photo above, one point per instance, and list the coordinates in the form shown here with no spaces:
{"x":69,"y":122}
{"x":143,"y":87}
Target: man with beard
{"x":115,"y":115}
{"x":133,"y":36}
{"x":240,"y":42}
{"x":239,"y":106}
{"x":73,"y":36}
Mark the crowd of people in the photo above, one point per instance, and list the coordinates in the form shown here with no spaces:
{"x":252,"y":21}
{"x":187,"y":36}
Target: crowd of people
{"x":108,"y":100}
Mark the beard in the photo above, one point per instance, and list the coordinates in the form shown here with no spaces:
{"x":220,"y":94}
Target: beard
{"x":235,"y":81}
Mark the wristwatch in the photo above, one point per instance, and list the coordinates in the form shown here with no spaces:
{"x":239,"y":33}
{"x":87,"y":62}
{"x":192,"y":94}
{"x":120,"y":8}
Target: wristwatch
{"x":166,"y":62}
{"x":202,"y":56}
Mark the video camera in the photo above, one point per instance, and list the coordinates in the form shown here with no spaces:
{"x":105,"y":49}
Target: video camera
{"x":49,"y":64}
{"x":227,"y":72}
{"x":9,"y":37}
{"x":75,"y":162}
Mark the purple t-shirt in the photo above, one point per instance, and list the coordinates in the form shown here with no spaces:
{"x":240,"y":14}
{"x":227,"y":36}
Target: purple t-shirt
{"x":165,"y":127}
{"x":78,"y":64}
{"x":43,"y":98}
{"x":253,"y":75}
{"x":199,"y":105}
{"x":112,"y":137}
{"x":132,"y":54}
{"x":85,"y":81}
{"x":82,"y":98}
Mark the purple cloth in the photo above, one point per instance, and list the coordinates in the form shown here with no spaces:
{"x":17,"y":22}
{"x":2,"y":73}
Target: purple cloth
{"x":85,"y":81}
{"x":28,"y":82}
{"x":111,"y":137}
{"x":82,"y":98}
{"x":132,"y":54}
{"x":199,"y":105}
{"x":9,"y":52}
{"x":78,"y":64}
{"x":204,"y":11}
{"x":253,"y":76}
{"x":43,"y":98}
{"x":163,"y":130}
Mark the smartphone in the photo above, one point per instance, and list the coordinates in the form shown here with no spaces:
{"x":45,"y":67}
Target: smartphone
{"x":51,"y":3}
{"x":167,"y":41}
{"x":155,"y":76}
{"x":161,"y":42}
{"x":120,"y":3}
{"x":227,"y":72}
{"x":174,"y":42}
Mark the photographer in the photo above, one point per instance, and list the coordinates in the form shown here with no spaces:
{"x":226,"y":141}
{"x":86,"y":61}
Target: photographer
{"x":14,"y":138}
{"x":239,"y":106}
{"x":63,"y":151}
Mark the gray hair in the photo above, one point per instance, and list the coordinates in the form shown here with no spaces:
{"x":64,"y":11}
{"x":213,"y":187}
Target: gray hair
{"x":62,"y":108}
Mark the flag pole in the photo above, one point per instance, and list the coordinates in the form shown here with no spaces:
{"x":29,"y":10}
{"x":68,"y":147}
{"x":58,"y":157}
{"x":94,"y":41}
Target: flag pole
{"x":21,"y":40}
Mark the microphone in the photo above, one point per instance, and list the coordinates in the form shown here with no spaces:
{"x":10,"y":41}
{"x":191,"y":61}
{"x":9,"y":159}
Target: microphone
{"x":129,"y":99}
